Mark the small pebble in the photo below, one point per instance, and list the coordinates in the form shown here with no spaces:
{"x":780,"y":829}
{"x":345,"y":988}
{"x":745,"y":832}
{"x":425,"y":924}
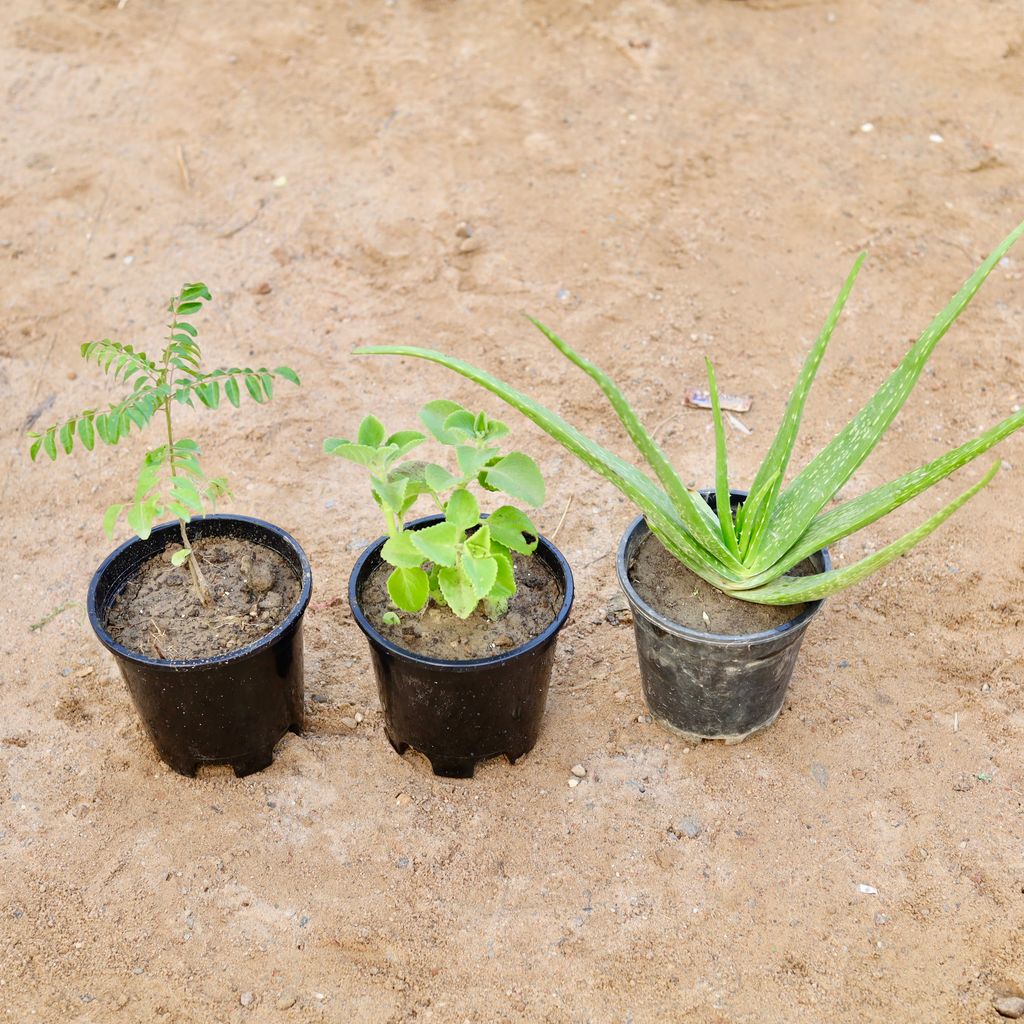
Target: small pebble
{"x":285,"y":1002}
{"x":349,"y":723}
{"x":867,"y":126}
{"x":464,"y":230}
{"x":935,"y":137}
{"x":1011,"y":1007}
{"x":246,"y":998}
{"x":867,"y":890}
{"x":573,"y":783}
{"x":579,"y":771}
{"x":689,"y":827}
{"x":359,"y":718}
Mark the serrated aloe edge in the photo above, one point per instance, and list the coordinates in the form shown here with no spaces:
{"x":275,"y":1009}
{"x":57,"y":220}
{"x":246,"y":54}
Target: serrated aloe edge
{"x":749,"y":554}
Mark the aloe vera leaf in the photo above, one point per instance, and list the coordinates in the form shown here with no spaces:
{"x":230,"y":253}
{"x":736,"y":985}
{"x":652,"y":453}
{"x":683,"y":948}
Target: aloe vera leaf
{"x":799,"y":503}
{"x":859,"y":512}
{"x":768,"y":480}
{"x":692,"y":508}
{"x":797,"y":589}
{"x":649,"y":499}
{"x":723,"y":499}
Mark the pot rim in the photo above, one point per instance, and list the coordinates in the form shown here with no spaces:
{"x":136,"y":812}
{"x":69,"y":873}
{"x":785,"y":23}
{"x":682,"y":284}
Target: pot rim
{"x":794,"y":625}
{"x":268,"y":639}
{"x":373,"y":550}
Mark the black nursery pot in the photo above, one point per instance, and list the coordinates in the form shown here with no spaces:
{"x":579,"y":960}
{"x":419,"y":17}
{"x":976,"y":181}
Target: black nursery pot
{"x":231,"y":709}
{"x":709,"y":685}
{"x":459,"y":712}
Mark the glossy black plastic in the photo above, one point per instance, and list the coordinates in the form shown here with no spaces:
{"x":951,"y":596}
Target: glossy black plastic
{"x":231,"y":709}
{"x":457,"y":713}
{"x":709,"y":685}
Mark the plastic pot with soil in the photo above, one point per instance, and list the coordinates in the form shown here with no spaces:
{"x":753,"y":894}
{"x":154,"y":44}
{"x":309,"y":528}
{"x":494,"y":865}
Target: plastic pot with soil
{"x":487,"y":696}
{"x":711,"y":667}
{"x":213,"y":684}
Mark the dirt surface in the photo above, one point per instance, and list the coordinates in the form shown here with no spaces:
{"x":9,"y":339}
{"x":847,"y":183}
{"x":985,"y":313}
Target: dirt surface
{"x":159,"y":614}
{"x":437,"y":633}
{"x":682,"y":596}
{"x":657,"y":181}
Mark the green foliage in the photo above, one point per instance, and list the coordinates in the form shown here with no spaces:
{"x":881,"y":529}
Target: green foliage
{"x":465,"y":559}
{"x":171,"y":479}
{"x":748,"y":554}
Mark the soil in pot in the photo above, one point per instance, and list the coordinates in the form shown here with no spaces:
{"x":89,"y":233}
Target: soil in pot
{"x":682,"y":596}
{"x":158,"y":614}
{"x":437,"y":633}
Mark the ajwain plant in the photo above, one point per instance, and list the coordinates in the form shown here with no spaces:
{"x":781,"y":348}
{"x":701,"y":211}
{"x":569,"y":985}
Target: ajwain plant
{"x":748,"y":552}
{"x":171,"y":478}
{"x":469,"y":557}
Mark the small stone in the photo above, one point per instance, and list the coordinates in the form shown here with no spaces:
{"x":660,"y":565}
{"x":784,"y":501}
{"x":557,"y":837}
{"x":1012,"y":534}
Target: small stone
{"x":403,"y":799}
{"x":464,"y":230}
{"x":349,"y":723}
{"x":573,"y":783}
{"x":272,"y":600}
{"x":579,"y":771}
{"x":689,"y":827}
{"x":867,"y":890}
{"x":1011,"y":1007}
{"x":867,"y":126}
{"x":246,"y":999}
{"x":820,"y":775}
{"x":359,"y":718}
{"x":320,"y":698}
{"x":122,"y":1001}
{"x":621,"y":696}
{"x":262,"y":288}
{"x":285,"y":1002}
{"x":469,"y":245}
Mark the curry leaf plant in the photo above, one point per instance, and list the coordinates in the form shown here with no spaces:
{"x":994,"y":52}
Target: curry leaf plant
{"x":748,"y":554}
{"x":465,"y":559}
{"x":171,"y":479}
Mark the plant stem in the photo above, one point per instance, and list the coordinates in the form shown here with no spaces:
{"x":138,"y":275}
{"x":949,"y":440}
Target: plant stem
{"x":199,"y":583}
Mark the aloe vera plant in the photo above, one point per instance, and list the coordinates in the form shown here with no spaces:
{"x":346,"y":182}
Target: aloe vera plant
{"x":749,"y":553}
{"x":171,"y":478}
{"x":468,"y":559}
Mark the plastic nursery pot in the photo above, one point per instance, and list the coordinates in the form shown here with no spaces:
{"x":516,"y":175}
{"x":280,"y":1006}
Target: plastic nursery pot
{"x":457,"y":713}
{"x":230,"y":709}
{"x":708,"y":685}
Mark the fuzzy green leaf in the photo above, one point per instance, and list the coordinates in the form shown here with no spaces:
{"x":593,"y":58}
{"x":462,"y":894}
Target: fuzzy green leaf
{"x":437,"y":543}
{"x":181,"y":556}
{"x":433,"y":416}
{"x":459,"y":592}
{"x":409,"y":589}
{"x":462,"y":510}
{"x":110,"y":518}
{"x":371,"y":432}
{"x":400,"y":552}
{"x":481,"y":573}
{"x":514,"y":529}
{"x":518,"y":476}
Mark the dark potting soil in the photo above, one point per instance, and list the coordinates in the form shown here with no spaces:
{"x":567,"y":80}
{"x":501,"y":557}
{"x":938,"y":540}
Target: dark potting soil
{"x":158,"y":613}
{"x":437,"y":632}
{"x":682,"y":596}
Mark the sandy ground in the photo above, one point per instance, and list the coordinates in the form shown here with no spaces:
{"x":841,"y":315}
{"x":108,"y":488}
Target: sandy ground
{"x":658,"y":181}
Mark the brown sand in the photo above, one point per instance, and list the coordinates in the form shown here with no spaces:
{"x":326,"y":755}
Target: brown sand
{"x":656,"y":181}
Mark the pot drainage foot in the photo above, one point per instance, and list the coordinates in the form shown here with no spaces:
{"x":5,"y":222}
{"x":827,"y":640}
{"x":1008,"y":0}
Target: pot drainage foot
{"x":459,"y":768}
{"x":513,"y":757}
{"x":396,"y":745}
{"x":254,"y":763}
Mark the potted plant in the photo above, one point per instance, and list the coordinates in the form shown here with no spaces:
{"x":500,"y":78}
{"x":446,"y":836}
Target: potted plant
{"x":461,"y":609}
{"x":203,"y":615}
{"x":765,"y":549}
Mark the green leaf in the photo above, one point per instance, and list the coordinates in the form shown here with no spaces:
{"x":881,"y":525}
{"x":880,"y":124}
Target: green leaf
{"x":85,"y":433}
{"x":391,"y":493}
{"x":471,"y":460}
{"x":67,"y":436}
{"x":512,"y":528}
{"x":799,"y":503}
{"x":50,"y":444}
{"x":252,"y":385}
{"x":33,"y":450}
{"x":390,"y":619}
{"x":505,"y":581}
{"x":479,"y":542}
{"x":288,"y":373}
{"x":140,"y":518}
{"x":460,"y":424}
{"x":231,"y":391}
{"x":188,"y":328}
{"x":798,"y":589}
{"x":406,"y":440}
{"x":518,"y":476}
{"x":186,"y":492}
{"x":110,"y":518}
{"x":769,"y":478}
{"x":268,"y":384}
{"x":723,"y":501}
{"x":401,"y":552}
{"x":697,"y":518}
{"x":360,"y":454}
{"x":437,"y":478}
{"x":433,"y":416}
{"x":409,"y":589}
{"x":187,"y":308}
{"x":371,"y":432}
{"x":181,"y":556}
{"x":462,"y":510}
{"x":481,"y":573}
{"x":459,"y":592}
{"x":437,"y":543}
